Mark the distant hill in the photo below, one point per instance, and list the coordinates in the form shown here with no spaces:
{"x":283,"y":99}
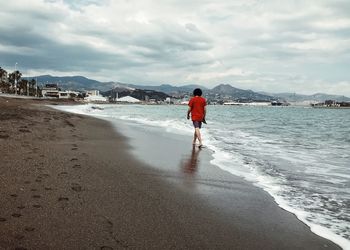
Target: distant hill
{"x":220,"y":92}
{"x":108,"y":88}
{"x":83,"y":83}
{"x":169,"y":89}
{"x":140,"y":94}
{"x":319,"y":97}
{"x":239,"y":94}
{"x":74,"y":82}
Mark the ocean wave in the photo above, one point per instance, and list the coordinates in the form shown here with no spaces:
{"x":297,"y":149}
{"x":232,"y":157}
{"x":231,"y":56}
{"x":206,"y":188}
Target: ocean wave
{"x":294,"y":171}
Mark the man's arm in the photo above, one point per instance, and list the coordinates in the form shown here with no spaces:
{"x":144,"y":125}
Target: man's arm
{"x":188,"y":113}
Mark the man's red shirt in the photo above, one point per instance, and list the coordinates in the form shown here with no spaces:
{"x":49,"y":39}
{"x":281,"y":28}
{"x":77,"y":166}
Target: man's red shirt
{"x":197,"y":105}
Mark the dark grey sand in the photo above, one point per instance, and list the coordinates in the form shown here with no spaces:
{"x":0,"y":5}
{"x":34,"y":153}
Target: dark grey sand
{"x":70,"y":182}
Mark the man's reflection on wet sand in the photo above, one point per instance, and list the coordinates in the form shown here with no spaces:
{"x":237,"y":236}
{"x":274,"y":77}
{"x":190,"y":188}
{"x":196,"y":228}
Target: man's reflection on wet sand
{"x":190,"y":165}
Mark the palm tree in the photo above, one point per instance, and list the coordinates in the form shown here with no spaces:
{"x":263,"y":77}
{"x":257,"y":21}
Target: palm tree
{"x":22,"y":86}
{"x":32,"y":89}
{"x":14,"y":77}
{"x":3,"y":80}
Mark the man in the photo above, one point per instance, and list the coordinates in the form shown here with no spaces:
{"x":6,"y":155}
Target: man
{"x":197,"y":110}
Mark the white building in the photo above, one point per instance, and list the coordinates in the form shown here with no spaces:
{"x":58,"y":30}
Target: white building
{"x":93,"y":92}
{"x":94,"y":96}
{"x":68,"y":94}
{"x":51,"y":91}
{"x":128,"y":99}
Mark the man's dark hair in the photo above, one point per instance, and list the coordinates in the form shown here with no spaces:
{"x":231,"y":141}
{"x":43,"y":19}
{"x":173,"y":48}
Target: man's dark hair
{"x":197,"y":92}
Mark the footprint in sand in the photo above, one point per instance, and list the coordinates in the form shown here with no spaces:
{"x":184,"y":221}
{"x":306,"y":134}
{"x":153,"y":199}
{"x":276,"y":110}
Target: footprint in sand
{"x":21,"y":207}
{"x":21,"y":248}
{"x":63,"y":199}
{"x":16,"y":215}
{"x":62,"y":174}
{"x":24,"y":130}
{"x":14,"y":195}
{"x":33,"y":189}
{"x":29,"y":229}
{"x":74,"y":159}
{"x":4,"y":136}
{"x":36,"y":196}
{"x":48,"y":188}
{"x":2,"y":219}
{"x":19,"y":237}
{"x":76,"y":187}
{"x":69,"y":123}
{"x":77,"y":166}
{"x":37,"y":206}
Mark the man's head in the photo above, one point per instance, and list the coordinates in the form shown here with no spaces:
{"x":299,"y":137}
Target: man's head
{"x":197,"y":92}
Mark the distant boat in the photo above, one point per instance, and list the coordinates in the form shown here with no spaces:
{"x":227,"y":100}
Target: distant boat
{"x":96,"y":107}
{"x":278,"y":103}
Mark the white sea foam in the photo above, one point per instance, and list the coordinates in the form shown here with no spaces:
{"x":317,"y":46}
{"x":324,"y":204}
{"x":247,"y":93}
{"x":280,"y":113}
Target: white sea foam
{"x":225,"y":161}
{"x":233,"y":163}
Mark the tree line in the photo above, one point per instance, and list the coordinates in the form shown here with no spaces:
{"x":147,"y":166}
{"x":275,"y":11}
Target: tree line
{"x":13,"y":83}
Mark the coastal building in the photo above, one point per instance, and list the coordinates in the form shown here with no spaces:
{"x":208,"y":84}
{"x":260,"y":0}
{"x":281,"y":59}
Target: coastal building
{"x":94,"y":96}
{"x":51,"y":91}
{"x":68,"y":94}
{"x":92,"y":92}
{"x":331,"y":104}
{"x":152,"y":101}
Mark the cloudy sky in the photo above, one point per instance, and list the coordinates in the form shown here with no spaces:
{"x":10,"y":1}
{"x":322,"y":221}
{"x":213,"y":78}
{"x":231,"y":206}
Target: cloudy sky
{"x":264,"y":45}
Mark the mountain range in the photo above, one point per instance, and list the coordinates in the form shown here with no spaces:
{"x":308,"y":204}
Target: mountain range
{"x":318,"y":97}
{"x":222,"y":91}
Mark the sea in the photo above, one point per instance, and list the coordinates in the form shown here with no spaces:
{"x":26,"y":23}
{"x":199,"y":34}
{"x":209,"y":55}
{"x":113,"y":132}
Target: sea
{"x":299,"y":155}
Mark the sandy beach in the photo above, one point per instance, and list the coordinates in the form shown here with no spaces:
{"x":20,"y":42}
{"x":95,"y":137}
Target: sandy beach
{"x":72,"y":182}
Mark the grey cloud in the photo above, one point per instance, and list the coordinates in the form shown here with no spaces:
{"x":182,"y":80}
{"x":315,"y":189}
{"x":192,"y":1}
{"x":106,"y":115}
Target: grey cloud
{"x":339,"y":7}
{"x":22,"y":37}
{"x":77,"y":4}
{"x":168,"y":49}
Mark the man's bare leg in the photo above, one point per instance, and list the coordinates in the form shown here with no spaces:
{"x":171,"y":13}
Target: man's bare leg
{"x":197,"y":133}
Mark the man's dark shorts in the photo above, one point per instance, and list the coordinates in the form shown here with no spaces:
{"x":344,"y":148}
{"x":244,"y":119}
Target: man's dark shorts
{"x":197,"y":124}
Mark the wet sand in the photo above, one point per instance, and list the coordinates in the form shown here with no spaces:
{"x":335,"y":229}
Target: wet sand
{"x":70,"y":182}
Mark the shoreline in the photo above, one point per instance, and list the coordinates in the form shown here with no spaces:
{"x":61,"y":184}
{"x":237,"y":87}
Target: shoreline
{"x":140,"y":135}
{"x":205,"y":160}
{"x":72,"y":177}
